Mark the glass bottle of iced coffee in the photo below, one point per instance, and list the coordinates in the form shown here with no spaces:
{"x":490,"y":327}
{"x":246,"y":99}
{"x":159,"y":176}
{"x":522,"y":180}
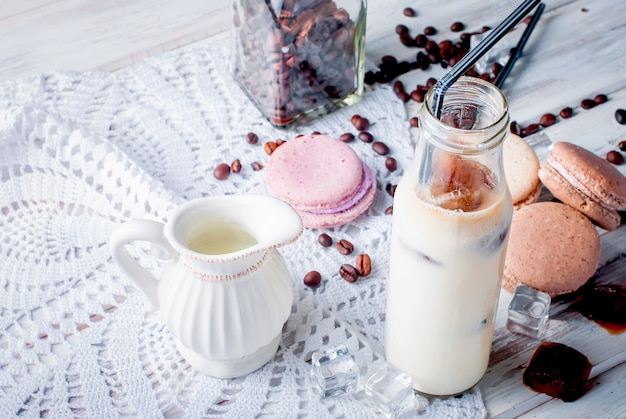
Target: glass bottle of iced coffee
{"x":451,"y":218}
{"x":299,"y":59}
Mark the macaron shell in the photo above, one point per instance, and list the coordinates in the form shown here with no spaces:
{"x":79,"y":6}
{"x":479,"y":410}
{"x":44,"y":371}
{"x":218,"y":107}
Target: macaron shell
{"x":593,"y":175}
{"x":520,"y":169}
{"x":530,"y":199}
{"x":312,"y":220}
{"x":552,"y":248}
{"x":314,"y":172}
{"x":565,"y":192}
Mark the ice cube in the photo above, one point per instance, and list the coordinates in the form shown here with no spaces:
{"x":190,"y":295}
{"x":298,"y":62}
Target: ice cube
{"x":459,"y":183}
{"x":389,"y":390}
{"x":334,"y":372}
{"x":528,"y":311}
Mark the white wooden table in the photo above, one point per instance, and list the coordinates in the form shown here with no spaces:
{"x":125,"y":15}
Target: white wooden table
{"x":576,"y":52}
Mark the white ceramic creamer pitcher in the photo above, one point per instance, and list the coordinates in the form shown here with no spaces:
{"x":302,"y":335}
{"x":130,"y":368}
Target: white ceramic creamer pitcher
{"x":226,"y":292}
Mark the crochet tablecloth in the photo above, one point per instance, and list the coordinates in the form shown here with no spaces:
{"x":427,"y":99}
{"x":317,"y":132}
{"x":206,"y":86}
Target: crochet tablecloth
{"x":81,"y":153}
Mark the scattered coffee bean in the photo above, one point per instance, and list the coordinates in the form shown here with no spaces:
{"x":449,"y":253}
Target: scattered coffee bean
{"x":391,"y":189}
{"x":363,"y":264}
{"x":325,"y":240}
{"x":348,"y":272}
{"x":417,"y":95}
{"x":313,"y":279}
{"x":415,"y":122}
{"x":530,"y":130}
{"x":620,"y":116}
{"x":269,"y":147}
{"x":344,"y":247}
{"x":566,"y":112}
{"x":457,"y":27}
{"x":346,"y":137}
{"x":614,"y":157}
{"x":547,"y":119}
{"x":587,"y":104}
{"x":409,"y":12}
{"x":391,"y":164}
{"x":600,"y":99}
{"x":252,"y":138}
{"x":222,"y":171}
{"x":256,"y":166}
{"x":366,"y":137}
{"x":360,"y":123}
{"x":622,"y":145}
{"x":404,"y":97}
{"x":515,"y":128}
{"x":430,"y":30}
{"x":400,"y":29}
{"x":235,"y":166}
{"x":380,"y":148}
{"x":420,"y":42}
{"x":389,"y":210}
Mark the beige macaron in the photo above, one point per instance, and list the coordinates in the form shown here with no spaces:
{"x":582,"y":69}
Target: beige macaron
{"x":586,"y":182}
{"x":521,"y":167}
{"x":552,"y":248}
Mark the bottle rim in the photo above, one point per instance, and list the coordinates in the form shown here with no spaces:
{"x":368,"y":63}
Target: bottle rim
{"x":467,"y":141}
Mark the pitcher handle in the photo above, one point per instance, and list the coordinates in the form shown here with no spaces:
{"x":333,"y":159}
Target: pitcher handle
{"x":144,"y":230}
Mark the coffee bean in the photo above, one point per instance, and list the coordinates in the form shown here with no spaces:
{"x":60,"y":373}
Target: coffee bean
{"x":401,"y":29}
{"x":417,"y":95}
{"x":366,"y":137}
{"x":313,"y":279}
{"x":348,"y":272}
{"x":363,"y":264}
{"x":430,"y":30}
{"x":222,"y":171}
{"x":325,"y":240}
{"x":529,"y":130}
{"x":421,"y":40}
{"x":409,"y":12}
{"x":252,"y":138}
{"x":415,"y":122}
{"x":360,"y":123}
{"x":391,"y":189}
{"x":344,"y":247}
{"x":404,"y":97}
{"x":620,"y":116}
{"x":600,"y":99}
{"x":256,"y":166}
{"x":587,"y":104}
{"x":235,"y":166}
{"x":457,"y":27}
{"x":269,"y":147}
{"x":622,"y":145}
{"x":515,"y":128}
{"x":566,"y":112}
{"x":391,"y":164}
{"x":380,"y":148}
{"x":614,"y":157}
{"x":346,"y":137}
{"x":547,"y":119}
{"x":389,"y":210}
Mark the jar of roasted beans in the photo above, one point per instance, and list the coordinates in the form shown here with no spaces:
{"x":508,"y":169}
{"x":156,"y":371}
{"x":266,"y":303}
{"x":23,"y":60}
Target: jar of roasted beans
{"x":299,"y":59}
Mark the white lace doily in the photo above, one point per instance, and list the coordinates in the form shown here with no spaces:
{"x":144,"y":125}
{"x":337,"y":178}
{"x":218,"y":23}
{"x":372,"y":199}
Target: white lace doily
{"x":81,"y":153}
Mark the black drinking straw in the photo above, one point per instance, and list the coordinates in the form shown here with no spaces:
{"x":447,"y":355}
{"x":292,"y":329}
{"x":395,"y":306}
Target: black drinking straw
{"x":517,"y":52}
{"x":442,"y":86}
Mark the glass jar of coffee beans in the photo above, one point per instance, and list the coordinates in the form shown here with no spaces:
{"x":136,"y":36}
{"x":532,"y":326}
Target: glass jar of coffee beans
{"x":299,"y":59}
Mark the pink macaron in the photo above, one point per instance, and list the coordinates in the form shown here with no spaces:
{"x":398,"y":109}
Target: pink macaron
{"x":322,"y":178}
